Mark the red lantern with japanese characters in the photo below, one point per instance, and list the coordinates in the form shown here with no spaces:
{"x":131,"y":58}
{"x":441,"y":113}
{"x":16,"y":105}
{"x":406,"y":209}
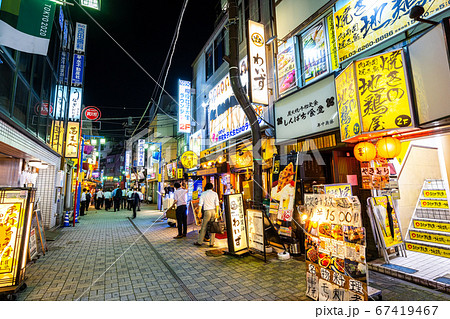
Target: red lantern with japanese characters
{"x":389,"y":147}
{"x":365,"y":151}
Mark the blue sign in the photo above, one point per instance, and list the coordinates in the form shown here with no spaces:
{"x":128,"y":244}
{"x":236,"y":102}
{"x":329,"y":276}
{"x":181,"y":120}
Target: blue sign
{"x":77,"y":70}
{"x":80,"y":37}
{"x":66,"y":34}
{"x":61,"y":17}
{"x":62,"y":67}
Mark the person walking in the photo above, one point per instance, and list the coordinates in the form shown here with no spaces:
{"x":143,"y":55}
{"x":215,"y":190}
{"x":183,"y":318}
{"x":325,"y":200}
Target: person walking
{"x":209,"y":200}
{"x":100,"y":198}
{"x":141,"y":198}
{"x":108,"y":196}
{"x":117,"y":197}
{"x":88,"y":199}
{"x":129,"y":200}
{"x":83,"y":202}
{"x":134,"y":202}
{"x":180,"y":197}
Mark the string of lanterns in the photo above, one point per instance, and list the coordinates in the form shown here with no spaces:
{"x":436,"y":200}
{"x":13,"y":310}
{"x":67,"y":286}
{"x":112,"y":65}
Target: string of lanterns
{"x":387,"y":147}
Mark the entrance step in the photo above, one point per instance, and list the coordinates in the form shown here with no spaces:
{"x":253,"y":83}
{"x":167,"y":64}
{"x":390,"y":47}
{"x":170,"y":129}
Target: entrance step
{"x":428,"y":248}
{"x":430,"y":224}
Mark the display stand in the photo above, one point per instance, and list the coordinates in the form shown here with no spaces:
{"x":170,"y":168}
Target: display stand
{"x":36,"y":222}
{"x":193,"y":209}
{"x":236,"y":225}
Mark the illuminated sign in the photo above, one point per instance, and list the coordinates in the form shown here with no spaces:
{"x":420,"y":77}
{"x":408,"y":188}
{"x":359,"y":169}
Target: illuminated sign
{"x":61,"y":100}
{"x":141,"y":152}
{"x":92,"y":113}
{"x":184,"y":106}
{"x":75,"y":104}
{"x":373,"y":96}
{"x":258,"y":67}
{"x":362,"y":24}
{"x":57,"y":136}
{"x":72,"y":139}
{"x":127,"y":160}
{"x":315,"y":60}
{"x":195,"y":142}
{"x":94,"y":4}
{"x":189,"y":159}
{"x":235,"y":220}
{"x":287,"y":78}
{"x":77,"y":70}
{"x":226,"y":117}
{"x":80,"y":37}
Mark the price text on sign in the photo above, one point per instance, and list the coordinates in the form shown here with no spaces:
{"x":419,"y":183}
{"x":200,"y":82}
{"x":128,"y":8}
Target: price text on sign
{"x":444,"y":227}
{"x":435,"y":193}
{"x":432,"y":238}
{"x":434,"y":203}
{"x":428,"y":250}
{"x":338,"y":215}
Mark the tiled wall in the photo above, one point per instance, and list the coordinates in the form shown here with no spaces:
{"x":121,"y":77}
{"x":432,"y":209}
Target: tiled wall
{"x":46,"y":180}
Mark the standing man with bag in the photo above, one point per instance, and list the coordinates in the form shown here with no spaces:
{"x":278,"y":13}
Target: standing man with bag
{"x":117,"y":196}
{"x":209,"y":200}
{"x":134,"y":202}
{"x":180,"y":197}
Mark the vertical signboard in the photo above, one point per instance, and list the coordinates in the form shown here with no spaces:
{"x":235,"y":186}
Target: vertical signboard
{"x":258,"y":67}
{"x":236,"y":230}
{"x":57,"y":136}
{"x":75,"y":104}
{"x":184,"y":106}
{"x":72,"y":139}
{"x":255,"y":222}
{"x":61,"y":100}
{"x":80,"y":37}
{"x":287,"y":78}
{"x":315,"y":57}
{"x":94,"y":4}
{"x":141,"y":152}
{"x":333,"y":42}
{"x":77,"y":70}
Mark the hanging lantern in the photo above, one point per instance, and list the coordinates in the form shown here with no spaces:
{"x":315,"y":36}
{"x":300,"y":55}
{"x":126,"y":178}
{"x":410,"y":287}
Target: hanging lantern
{"x":365,"y":151}
{"x":389,"y":147}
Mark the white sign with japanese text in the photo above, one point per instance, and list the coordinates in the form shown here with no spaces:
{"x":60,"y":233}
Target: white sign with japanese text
{"x":258,"y":67}
{"x":238,"y":239}
{"x":184,"y":106}
{"x":80,"y":37}
{"x":141,"y":152}
{"x":60,"y":102}
{"x":76,"y":95}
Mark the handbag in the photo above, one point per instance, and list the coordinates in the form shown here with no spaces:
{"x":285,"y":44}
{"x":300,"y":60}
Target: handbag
{"x":216,"y":226}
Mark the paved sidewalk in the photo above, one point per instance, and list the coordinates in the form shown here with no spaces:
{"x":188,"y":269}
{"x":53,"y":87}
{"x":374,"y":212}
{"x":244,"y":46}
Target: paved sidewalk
{"x":105,"y":257}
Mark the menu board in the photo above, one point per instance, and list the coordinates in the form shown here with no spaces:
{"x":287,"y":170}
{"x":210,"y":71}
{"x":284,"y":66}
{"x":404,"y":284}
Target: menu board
{"x":335,"y":245}
{"x":374,"y":177}
{"x":235,"y":220}
{"x":255,"y":225}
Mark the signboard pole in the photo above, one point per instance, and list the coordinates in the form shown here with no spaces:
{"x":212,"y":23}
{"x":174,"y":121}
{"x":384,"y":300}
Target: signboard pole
{"x":77,"y":190}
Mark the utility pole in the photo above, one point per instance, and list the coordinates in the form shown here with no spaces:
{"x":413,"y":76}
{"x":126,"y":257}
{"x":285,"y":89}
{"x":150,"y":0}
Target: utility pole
{"x":244,"y":102}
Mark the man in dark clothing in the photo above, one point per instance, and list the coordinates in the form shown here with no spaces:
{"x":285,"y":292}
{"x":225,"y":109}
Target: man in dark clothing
{"x":134,"y":201}
{"x":181,"y":201}
{"x":88,"y":199}
{"x":117,"y":196}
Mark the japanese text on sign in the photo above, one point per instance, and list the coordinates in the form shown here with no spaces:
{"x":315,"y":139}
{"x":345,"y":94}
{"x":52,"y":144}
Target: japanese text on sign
{"x":239,"y":234}
{"x":72,"y":139}
{"x":141,"y":152}
{"x":80,"y":37}
{"x":184,"y":106}
{"x":75,"y":104}
{"x":77,"y":71}
{"x":258,"y":68}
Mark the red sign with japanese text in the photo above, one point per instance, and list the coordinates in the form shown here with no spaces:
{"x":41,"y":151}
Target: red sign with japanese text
{"x":92,"y":113}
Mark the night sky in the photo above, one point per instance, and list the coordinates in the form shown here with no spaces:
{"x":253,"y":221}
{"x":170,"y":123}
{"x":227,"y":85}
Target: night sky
{"x":113,"y":82}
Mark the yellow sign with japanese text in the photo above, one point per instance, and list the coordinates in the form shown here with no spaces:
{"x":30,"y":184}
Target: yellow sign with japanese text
{"x":189,"y":159}
{"x":435,"y":193}
{"x":362,"y":24}
{"x":443,"y":204}
{"x":383,"y":94}
{"x":421,"y":224}
{"x":428,"y":250}
{"x":179,"y":173}
{"x":347,"y":103}
{"x":332,"y":40}
{"x":429,"y":237}
{"x":72,"y":139}
{"x":392,"y":235}
{"x":57,"y":136}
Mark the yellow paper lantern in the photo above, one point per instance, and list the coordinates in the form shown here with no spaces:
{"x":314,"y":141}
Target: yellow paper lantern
{"x":365,"y":151}
{"x":389,"y":147}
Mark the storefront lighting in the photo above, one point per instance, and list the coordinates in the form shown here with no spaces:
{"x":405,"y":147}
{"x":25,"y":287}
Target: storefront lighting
{"x":34,"y":163}
{"x":389,"y":147}
{"x":153,"y":147}
{"x":42,"y":166}
{"x":365,"y":152}
{"x":145,"y":146}
{"x":103,"y":141}
{"x":94,"y":142}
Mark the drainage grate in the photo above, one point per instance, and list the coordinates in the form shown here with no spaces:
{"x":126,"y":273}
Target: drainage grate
{"x":399,"y":268}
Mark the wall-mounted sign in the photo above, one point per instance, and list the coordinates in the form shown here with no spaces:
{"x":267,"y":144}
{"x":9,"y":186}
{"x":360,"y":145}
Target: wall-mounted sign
{"x":333,"y":43}
{"x":195,"y":142}
{"x":315,"y":55}
{"x":226,"y":117}
{"x":235,"y":220}
{"x":61,"y":17}
{"x":140,"y":152}
{"x":76,"y":95}
{"x":92,"y":113}
{"x":43,"y":108}
{"x":189,"y":159}
{"x":362,"y":24}
{"x":77,"y":69}
{"x":184,"y":106}
{"x":94,"y":4}
{"x":258,"y":67}
{"x":255,"y":222}
{"x":287,"y":77}
{"x":180,"y":173}
{"x":309,"y":111}
{"x":373,"y":96}
{"x":72,"y":139}
{"x":61,"y":100}
{"x":127,"y":161}
{"x":80,"y":37}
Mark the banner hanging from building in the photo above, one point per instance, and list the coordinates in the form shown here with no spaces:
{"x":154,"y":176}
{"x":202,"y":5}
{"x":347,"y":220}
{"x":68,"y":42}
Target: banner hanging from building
{"x":72,"y":139}
{"x":141,"y":152}
{"x":76,"y":95}
{"x":287,"y":78}
{"x":362,"y":24}
{"x":77,"y":70}
{"x":26,"y":25}
{"x":184,"y":106}
{"x":258,"y":67}
{"x":80,"y":37}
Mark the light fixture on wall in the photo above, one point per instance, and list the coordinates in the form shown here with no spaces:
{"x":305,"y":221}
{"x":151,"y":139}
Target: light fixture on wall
{"x":416,"y":12}
{"x":43,"y":165}
{"x":34,"y":163}
{"x":271,"y":39}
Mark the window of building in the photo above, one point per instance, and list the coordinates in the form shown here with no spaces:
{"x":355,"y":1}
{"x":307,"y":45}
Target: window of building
{"x":209,"y":62}
{"x":24,"y":65}
{"x":38,"y":68}
{"x":21,"y":101}
{"x":219,"y":50}
{"x":35,"y":109}
{"x":6,"y":80}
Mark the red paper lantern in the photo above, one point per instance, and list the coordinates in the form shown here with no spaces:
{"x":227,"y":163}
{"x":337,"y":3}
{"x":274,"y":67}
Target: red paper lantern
{"x":389,"y":147}
{"x":365,"y":151}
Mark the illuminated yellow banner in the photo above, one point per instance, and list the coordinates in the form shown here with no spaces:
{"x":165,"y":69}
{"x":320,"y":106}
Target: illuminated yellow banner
{"x":428,"y":250}
{"x":443,"y":204}
{"x":57,"y":136}
{"x":72,"y":139}
{"x":432,"y":238}
{"x":444,"y":227}
{"x":362,"y":24}
{"x":382,"y":91}
{"x":332,"y":40}
{"x":435,"y":193}
{"x":347,"y":103}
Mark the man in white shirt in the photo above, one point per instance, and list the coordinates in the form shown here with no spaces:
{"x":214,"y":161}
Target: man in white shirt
{"x":180,"y":197}
{"x":83,"y":201}
{"x":108,"y":196}
{"x":99,"y":199}
{"x":209,"y":200}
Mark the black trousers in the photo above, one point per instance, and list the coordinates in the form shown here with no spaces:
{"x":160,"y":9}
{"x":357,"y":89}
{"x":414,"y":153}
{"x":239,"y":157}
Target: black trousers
{"x":107,"y":203}
{"x":181,"y":220}
{"x":116,"y":204}
{"x":134,"y":206}
{"x":82,"y":207}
